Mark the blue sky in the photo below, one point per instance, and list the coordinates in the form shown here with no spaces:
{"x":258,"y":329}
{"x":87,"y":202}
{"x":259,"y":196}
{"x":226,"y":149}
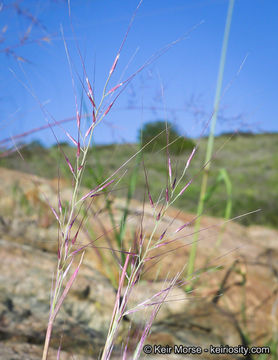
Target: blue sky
{"x":187,"y":73}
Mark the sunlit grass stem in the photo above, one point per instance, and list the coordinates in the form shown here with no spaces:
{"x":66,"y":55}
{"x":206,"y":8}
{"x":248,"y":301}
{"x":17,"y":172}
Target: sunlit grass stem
{"x":209,"y":149}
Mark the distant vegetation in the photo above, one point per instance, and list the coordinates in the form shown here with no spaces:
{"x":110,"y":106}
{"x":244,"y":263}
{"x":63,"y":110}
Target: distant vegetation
{"x":157,"y":130}
{"x":250,"y":160}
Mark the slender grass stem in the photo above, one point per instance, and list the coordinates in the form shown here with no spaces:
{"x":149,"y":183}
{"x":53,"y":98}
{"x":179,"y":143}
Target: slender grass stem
{"x":209,"y":150}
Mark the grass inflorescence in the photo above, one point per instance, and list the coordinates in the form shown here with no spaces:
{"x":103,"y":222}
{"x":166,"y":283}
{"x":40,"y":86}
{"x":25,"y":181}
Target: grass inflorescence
{"x":133,"y":260}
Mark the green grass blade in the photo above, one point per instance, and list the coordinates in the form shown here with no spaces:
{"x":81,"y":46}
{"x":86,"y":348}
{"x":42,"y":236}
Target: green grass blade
{"x":193,"y":251}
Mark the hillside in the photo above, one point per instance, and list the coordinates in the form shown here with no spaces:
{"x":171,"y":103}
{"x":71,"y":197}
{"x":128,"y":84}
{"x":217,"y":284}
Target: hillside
{"x":250,"y":161}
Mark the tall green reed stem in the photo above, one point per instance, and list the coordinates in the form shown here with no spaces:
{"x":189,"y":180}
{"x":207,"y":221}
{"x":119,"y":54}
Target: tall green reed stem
{"x":209,"y":150}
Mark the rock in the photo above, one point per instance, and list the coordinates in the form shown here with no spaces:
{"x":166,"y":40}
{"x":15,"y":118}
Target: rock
{"x":25,"y":280}
{"x":25,"y":351}
{"x":146,"y":291}
{"x":263,"y":237}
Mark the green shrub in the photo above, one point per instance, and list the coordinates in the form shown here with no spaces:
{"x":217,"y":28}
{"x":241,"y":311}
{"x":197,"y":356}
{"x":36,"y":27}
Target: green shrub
{"x":177,"y":143}
{"x":34,"y":147}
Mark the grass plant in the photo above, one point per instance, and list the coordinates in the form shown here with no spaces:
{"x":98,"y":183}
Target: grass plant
{"x":133,"y":260}
{"x":140,"y":255}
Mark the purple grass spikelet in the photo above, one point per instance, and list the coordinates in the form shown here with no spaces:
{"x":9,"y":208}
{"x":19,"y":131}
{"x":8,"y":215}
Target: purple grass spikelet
{"x":186,"y":186}
{"x":60,"y":205}
{"x":75,"y":237}
{"x":162,"y":235}
{"x":69,"y":164}
{"x":108,"y":108}
{"x":190,"y":157}
{"x":78,"y":150}
{"x":71,"y":138}
{"x":183,"y":226}
{"x":167,"y":194}
{"x":90,"y":93}
{"x":169,"y":168}
{"x":91,"y":100}
{"x":115,"y":88}
{"x":96,"y":189}
{"x":88,"y":131}
{"x":104,"y":186}
{"x":174,"y":183}
{"x":78,"y":120}
{"x":151,"y":200}
{"x":55,"y":213}
{"x":114,"y":65}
